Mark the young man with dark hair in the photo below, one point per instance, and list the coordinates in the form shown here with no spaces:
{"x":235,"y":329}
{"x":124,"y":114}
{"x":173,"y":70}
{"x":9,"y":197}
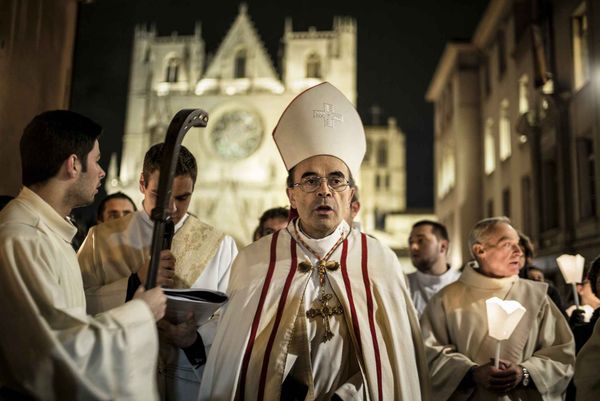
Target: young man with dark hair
{"x":50,"y":348}
{"x":115,"y":255}
{"x":51,"y":138}
{"x":114,"y":206}
{"x":437,"y":228}
{"x":428,"y":245}
{"x":536,"y":361}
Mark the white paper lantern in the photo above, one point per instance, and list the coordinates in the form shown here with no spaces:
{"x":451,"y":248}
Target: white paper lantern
{"x":503,"y":317}
{"x":571,"y":267}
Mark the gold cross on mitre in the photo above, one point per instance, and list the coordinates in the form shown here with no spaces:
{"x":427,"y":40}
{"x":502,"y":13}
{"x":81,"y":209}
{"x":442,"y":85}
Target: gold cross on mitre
{"x":325,"y":311}
{"x":329,"y":115}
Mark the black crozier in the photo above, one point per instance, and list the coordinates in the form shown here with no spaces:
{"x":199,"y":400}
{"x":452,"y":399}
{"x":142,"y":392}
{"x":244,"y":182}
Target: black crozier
{"x":179,"y":126}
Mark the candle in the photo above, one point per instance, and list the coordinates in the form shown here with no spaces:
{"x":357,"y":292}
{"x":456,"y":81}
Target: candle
{"x":571,"y":267}
{"x":503,"y":317}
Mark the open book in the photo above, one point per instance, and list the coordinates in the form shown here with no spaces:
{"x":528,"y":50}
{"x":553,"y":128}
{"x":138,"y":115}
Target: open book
{"x":202,"y":303}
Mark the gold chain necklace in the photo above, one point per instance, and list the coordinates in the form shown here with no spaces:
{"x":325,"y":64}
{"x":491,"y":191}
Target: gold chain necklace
{"x":323,"y":264}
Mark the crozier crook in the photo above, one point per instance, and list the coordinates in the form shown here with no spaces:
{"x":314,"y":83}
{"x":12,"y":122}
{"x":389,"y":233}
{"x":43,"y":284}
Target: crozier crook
{"x":179,"y":126}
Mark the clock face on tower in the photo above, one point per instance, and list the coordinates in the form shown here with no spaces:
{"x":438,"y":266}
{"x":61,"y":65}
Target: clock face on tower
{"x":237,"y":134}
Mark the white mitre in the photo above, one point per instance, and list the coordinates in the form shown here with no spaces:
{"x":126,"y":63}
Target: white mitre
{"x":321,"y":121}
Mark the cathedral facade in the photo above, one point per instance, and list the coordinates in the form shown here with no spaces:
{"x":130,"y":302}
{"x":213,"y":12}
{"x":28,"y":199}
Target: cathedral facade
{"x":240,"y":172}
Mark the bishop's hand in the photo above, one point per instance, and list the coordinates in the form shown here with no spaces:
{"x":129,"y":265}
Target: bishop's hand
{"x":182,"y":334}
{"x":166,"y":270}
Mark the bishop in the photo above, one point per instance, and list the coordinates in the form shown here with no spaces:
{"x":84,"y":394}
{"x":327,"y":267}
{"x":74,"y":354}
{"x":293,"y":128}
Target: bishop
{"x":318,"y":311}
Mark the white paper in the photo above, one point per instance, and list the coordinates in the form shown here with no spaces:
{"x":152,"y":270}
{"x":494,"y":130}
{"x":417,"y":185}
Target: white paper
{"x":503,"y":317}
{"x":571,"y":267}
{"x":202,"y":303}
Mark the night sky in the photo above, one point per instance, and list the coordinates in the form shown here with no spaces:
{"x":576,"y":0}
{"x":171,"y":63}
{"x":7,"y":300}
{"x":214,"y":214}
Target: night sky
{"x":399,"y":45}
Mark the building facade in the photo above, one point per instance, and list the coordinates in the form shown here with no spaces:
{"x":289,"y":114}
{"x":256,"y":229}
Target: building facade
{"x":240,"y":171}
{"x":517,"y":126}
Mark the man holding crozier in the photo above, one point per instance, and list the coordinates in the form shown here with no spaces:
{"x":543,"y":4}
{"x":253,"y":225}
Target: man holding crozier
{"x":115,"y":256}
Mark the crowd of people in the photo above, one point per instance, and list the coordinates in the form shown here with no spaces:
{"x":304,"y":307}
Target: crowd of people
{"x":317,"y":309}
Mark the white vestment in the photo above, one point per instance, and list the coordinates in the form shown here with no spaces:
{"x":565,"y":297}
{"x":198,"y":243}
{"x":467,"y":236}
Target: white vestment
{"x":587,"y":379}
{"x":50,"y":348}
{"x":114,"y":250}
{"x":265,"y":340}
{"x":455,"y":331}
{"x":424,"y":286}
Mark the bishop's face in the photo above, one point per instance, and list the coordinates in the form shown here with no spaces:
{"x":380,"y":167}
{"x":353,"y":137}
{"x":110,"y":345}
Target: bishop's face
{"x":320,"y":211}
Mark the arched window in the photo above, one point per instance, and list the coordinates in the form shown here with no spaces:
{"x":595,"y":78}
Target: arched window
{"x":489,"y":148}
{"x":240,"y":64}
{"x":313,"y":66}
{"x":172,"y":72}
{"x":504,"y":127}
{"x":580,"y":37}
{"x":382,"y":153}
{"x":523,"y":94}
{"x":447,"y":171}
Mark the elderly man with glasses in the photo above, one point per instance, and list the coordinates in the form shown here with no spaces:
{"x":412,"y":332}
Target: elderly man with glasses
{"x":536,"y":362}
{"x":318,"y":311}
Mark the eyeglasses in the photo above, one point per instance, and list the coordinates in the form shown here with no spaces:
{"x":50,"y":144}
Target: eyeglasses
{"x":312,"y":183}
{"x":505,"y":245}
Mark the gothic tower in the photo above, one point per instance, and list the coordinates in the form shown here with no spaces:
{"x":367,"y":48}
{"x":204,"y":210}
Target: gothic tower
{"x":240,"y":172}
{"x":315,"y":56}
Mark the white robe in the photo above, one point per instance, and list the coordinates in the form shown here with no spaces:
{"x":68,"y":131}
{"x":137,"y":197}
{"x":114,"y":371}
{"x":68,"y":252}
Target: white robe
{"x":379,"y":325}
{"x":317,"y":356}
{"x":587,"y":379}
{"x":424,"y":286}
{"x":455,"y":331}
{"x":50,"y":348}
{"x":114,"y":250}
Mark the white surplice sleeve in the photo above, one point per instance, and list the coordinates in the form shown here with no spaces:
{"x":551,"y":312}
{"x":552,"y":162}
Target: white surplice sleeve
{"x":50,"y":348}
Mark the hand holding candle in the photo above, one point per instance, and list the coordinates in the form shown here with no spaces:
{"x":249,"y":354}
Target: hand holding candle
{"x":503,"y":317}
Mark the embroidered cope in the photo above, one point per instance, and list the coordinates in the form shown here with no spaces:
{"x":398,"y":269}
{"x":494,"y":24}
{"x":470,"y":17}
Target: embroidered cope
{"x":266,"y":348}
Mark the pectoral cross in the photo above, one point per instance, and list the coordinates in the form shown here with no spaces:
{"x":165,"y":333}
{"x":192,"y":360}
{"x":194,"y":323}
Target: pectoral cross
{"x":325,"y":311}
{"x":323,"y":265}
